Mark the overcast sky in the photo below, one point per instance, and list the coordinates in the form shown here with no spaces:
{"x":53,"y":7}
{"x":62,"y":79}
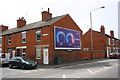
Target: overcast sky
{"x":79,"y":10}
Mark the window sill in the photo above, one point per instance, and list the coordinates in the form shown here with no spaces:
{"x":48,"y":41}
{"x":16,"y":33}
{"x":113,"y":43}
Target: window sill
{"x":9,"y":44}
{"x":38,"y":40}
{"x":23,"y":42}
{"x":38,"y":58}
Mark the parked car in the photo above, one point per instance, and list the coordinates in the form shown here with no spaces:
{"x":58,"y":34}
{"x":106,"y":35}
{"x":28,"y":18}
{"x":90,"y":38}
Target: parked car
{"x":4,"y":58}
{"x":22,"y":62}
{"x":115,"y":55}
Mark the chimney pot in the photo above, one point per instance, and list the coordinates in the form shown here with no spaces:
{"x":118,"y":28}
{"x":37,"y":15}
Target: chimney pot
{"x":21,"y":22}
{"x":102,"y":29}
{"x":3,"y":28}
{"x":48,"y":10}
{"x":112,"y":33}
{"x":46,"y":15}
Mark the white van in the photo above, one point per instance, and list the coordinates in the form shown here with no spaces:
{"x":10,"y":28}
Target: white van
{"x":4,"y":58}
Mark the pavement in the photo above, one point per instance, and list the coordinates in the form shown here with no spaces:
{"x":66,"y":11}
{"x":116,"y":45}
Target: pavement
{"x":44,"y":66}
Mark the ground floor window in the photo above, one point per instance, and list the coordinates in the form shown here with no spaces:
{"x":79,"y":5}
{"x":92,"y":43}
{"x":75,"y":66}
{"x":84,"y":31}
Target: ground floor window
{"x":9,"y":50}
{"x":38,"y":53}
{"x":0,"y":49}
{"x":24,"y":52}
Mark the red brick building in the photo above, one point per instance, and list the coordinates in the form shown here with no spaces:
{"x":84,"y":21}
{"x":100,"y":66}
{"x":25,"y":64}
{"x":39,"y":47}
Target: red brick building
{"x":36,"y":40}
{"x":2,"y":29}
{"x":103,"y":44}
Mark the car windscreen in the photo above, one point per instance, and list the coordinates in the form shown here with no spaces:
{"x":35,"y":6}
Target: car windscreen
{"x":3,"y":56}
{"x":112,"y":53}
{"x":25,"y":59}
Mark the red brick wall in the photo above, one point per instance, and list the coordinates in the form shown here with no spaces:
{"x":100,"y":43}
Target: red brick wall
{"x":21,"y":23}
{"x":3,"y":28}
{"x":66,"y":56}
{"x":99,"y":44}
{"x":46,"y":15}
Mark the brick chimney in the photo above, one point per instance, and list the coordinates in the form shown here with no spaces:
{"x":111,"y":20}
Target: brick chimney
{"x":46,"y":15}
{"x":21,"y":22}
{"x":102,"y":29}
{"x":112,"y":33}
{"x":3,"y":28}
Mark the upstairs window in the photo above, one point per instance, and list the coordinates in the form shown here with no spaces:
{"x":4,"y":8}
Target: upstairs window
{"x":9,"y":39}
{"x":38,"y":37}
{"x":24,"y":37}
{"x":0,"y":41}
{"x":108,"y":41}
{"x":113,"y":42}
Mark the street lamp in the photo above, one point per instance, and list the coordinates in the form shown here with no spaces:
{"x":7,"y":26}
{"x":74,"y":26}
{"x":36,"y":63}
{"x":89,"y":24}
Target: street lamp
{"x":91,"y":29}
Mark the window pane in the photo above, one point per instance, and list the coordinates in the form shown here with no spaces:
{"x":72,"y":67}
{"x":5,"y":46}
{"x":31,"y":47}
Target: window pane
{"x":38,"y":37}
{"x":24,"y":50}
{"x":9,"y":50}
{"x":0,"y":41}
{"x":113,"y":42}
{"x":23,"y":37}
{"x":23,"y":40}
{"x":108,"y":41}
{"x":9,"y":39}
{"x":38,"y":53}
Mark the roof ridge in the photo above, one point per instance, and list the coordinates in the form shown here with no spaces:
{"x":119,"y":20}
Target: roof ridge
{"x":34,"y":25}
{"x":105,"y":34}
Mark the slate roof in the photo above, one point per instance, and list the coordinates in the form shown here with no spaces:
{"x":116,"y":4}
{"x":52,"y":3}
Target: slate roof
{"x":105,"y":35}
{"x":33,"y":25}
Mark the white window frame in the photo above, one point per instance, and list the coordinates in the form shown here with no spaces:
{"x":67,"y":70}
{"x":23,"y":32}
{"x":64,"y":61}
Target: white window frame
{"x":9,"y":50}
{"x":24,"y":52}
{"x":108,"y":41}
{"x":38,"y":51}
{"x":113,"y":42}
{"x":0,"y":50}
{"x":0,"y":41}
{"x":9,"y":40}
{"x":38,"y":32}
{"x":24,"y":37}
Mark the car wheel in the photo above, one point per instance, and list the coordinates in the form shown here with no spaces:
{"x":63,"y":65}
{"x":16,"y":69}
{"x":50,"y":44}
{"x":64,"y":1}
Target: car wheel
{"x":23,"y":66}
{"x":10,"y":66}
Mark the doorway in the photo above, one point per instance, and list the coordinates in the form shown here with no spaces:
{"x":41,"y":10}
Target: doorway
{"x":18,"y":52}
{"x":13,"y":53}
{"x":45,"y":56}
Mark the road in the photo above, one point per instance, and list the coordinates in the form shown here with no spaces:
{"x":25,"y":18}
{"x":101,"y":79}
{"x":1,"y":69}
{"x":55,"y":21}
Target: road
{"x":100,"y":69}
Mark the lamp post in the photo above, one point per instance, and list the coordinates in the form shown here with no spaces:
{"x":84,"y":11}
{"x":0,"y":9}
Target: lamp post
{"x":91,"y":29}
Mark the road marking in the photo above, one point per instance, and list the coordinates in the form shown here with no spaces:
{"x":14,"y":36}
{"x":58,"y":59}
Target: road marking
{"x":107,"y":67}
{"x":102,"y":69}
{"x":74,"y":65}
{"x":64,"y":76}
{"x":90,"y":71}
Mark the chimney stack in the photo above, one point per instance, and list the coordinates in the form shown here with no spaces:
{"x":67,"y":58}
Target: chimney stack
{"x":3,"y":28}
{"x":21,"y":22}
{"x":102,"y":29}
{"x":46,"y":15}
{"x":112,"y":33}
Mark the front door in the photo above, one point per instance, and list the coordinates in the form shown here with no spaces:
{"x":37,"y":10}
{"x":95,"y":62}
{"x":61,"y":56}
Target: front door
{"x":18,"y":52}
{"x":107,"y":52}
{"x":13,"y":53}
{"x":45,"y":56}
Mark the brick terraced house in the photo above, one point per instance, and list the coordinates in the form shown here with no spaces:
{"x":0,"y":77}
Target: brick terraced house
{"x":37,"y":40}
{"x":2,"y":29}
{"x":103,"y":44}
